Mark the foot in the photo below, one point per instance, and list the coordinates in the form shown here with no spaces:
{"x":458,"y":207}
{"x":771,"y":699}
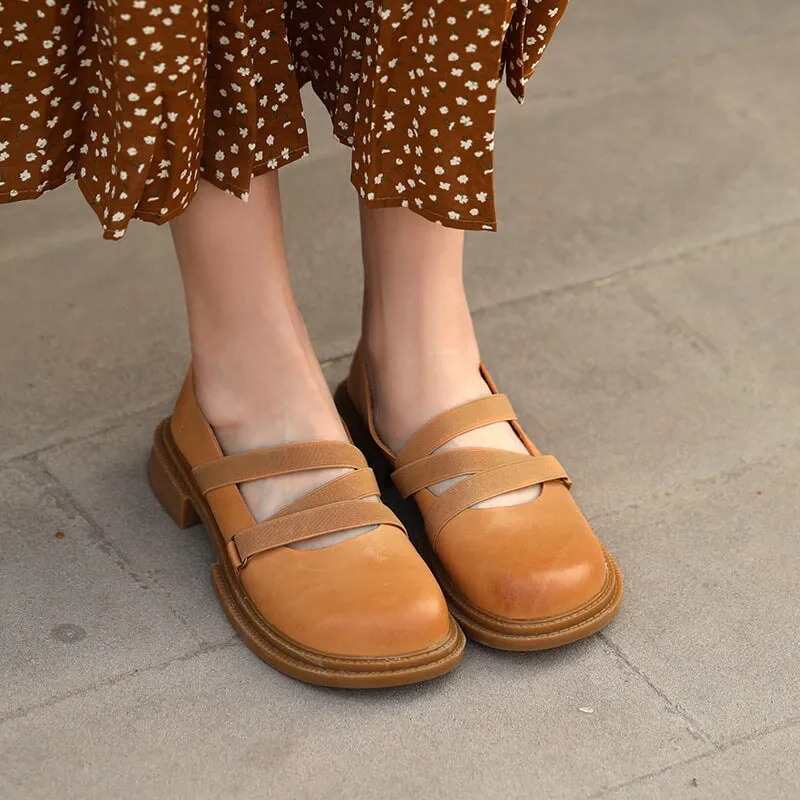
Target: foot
{"x":421,"y":351}
{"x":255,"y":416}
{"x":256,"y":377}
{"x":410,"y":388}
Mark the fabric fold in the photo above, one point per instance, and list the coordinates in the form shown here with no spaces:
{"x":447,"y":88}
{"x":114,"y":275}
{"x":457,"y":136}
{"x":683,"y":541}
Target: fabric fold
{"x":139,"y":100}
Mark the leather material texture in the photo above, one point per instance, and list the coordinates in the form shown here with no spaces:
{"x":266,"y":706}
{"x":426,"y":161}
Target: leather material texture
{"x":532,"y":563}
{"x":370,"y":600}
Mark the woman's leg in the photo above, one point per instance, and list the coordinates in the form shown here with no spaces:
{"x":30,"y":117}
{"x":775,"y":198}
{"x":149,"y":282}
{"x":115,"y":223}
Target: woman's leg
{"x":256,"y":376}
{"x":417,"y":330}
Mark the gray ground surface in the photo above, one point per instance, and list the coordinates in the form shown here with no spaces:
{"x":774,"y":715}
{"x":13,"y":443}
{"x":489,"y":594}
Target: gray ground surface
{"x":641,"y":307}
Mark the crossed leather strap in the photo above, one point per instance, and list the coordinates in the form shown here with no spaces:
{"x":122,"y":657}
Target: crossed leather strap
{"x":336,"y":506}
{"x":491,"y":472}
{"x":340,"y":504}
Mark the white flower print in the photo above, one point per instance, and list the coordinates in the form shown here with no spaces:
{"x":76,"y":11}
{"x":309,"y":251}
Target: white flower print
{"x":416,"y":123}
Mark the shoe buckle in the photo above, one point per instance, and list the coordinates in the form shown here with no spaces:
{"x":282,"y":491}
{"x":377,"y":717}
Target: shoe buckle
{"x":237,"y":561}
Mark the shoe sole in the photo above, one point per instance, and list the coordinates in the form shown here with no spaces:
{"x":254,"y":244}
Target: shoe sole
{"x":497,"y":632}
{"x":172,"y":483}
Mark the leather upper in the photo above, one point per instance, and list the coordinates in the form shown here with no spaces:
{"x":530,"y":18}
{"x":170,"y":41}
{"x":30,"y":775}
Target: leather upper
{"x":527,"y":562}
{"x":368,"y":596}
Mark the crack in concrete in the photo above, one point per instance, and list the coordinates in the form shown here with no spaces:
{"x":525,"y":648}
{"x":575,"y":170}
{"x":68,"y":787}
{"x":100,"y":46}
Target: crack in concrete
{"x":95,"y":531}
{"x":113,"y":680}
{"x":631,"y":270}
{"x":721,"y":747}
{"x":95,"y":427}
{"x":694,"y":727}
{"x":707,"y":480}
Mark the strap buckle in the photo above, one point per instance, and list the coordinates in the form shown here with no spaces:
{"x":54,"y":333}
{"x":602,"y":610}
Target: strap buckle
{"x":233,"y":554}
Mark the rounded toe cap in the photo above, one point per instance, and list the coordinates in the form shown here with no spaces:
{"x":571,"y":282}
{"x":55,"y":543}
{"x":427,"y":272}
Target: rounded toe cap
{"x":367,"y":597}
{"x":531,"y":562}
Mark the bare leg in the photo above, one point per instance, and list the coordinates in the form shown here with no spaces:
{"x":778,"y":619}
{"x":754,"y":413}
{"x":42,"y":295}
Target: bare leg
{"x":420,"y":343}
{"x":256,"y":376}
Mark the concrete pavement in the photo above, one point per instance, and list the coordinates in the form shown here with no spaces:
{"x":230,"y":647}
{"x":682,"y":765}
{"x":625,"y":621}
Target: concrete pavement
{"x":641,"y":305}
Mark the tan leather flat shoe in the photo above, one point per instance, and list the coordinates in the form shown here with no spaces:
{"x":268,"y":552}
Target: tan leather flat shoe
{"x":365,"y":612}
{"x":524,"y":577}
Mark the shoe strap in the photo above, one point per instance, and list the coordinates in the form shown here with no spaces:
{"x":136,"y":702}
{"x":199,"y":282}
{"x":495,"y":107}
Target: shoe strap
{"x":491,"y":472}
{"x":470,"y":461}
{"x":355,"y":485}
{"x":279,"y":460}
{"x":473,"y":461}
{"x":454,"y":422}
{"x":442,"y":466}
{"x":335,"y":506}
{"x":307,"y":524}
{"x":520,"y":474}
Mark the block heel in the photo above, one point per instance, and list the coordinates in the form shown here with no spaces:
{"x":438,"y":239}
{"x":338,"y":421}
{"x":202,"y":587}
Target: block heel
{"x":168,"y":486}
{"x":342,"y":633}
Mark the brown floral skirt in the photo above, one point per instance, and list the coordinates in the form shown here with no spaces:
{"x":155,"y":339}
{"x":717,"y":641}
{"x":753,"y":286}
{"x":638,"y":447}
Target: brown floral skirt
{"x":139,"y":99}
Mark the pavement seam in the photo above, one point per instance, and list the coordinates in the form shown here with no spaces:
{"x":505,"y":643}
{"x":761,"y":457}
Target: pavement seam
{"x":694,"y":727}
{"x":97,"y":533}
{"x":717,"y":745}
{"x":113,"y":680}
{"x":722,"y":747}
{"x":63,"y":496}
{"x":112,"y":423}
{"x":641,"y":778}
{"x":90,"y":428}
{"x":638,"y":267}
{"x":708,"y":480}
{"x":628,"y":81}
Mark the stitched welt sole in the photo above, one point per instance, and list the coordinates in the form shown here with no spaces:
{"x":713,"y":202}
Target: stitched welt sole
{"x":539,"y":635}
{"x":496,"y":632}
{"x":171,"y":480}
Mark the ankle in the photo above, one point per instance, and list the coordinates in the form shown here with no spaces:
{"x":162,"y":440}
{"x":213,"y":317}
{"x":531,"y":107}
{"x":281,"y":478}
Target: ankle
{"x":239,"y":394}
{"x":226,"y":394}
{"x":412,"y":382}
{"x":261,"y":417}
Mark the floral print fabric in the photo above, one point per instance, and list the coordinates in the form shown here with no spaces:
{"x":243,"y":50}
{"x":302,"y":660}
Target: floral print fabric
{"x":139,"y":99}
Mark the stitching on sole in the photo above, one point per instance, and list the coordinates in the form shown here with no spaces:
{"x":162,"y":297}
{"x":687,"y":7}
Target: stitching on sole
{"x":473,"y":619}
{"x":297,"y":657}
